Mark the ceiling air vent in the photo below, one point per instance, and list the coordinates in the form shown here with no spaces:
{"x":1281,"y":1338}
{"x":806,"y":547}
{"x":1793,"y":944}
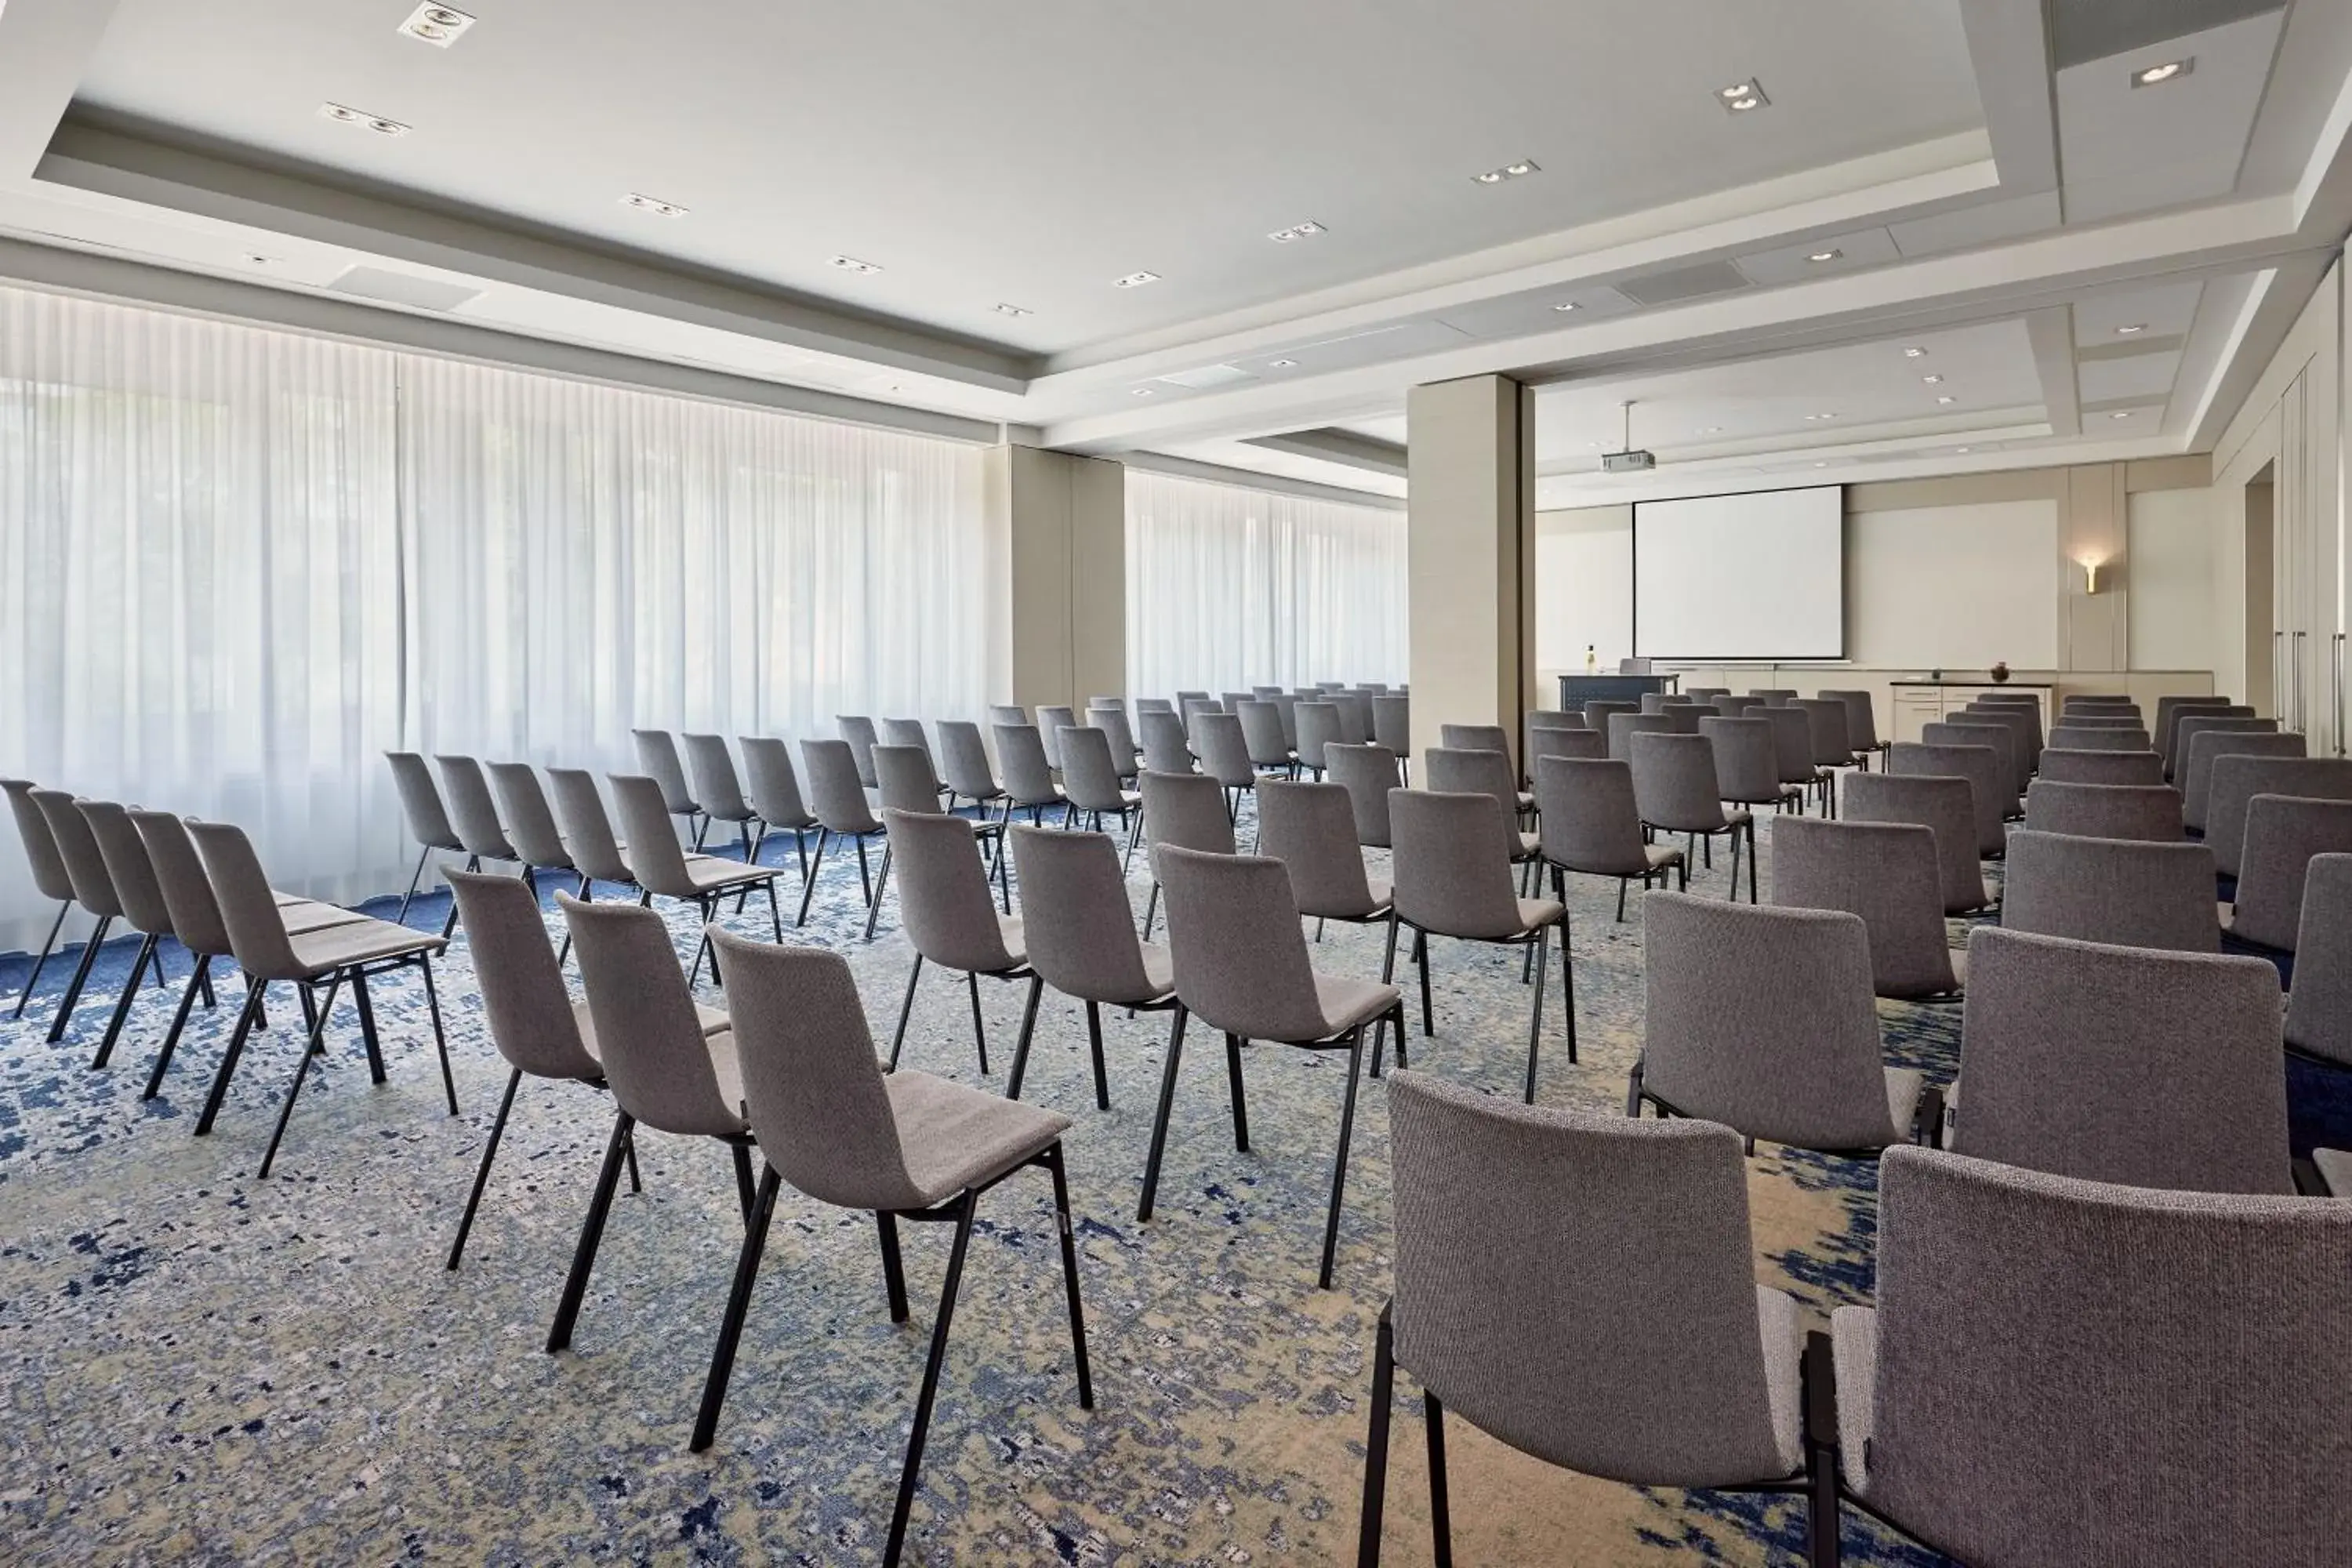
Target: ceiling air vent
{"x":1684,"y":283}
{"x":1208,"y":376}
{"x":401,"y":289}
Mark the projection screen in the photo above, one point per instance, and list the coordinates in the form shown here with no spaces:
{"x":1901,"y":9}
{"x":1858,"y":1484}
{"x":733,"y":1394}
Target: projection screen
{"x":1756,"y":576}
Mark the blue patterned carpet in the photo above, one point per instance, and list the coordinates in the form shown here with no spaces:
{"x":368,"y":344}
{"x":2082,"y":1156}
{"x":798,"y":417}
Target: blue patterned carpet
{"x":203,"y":1367}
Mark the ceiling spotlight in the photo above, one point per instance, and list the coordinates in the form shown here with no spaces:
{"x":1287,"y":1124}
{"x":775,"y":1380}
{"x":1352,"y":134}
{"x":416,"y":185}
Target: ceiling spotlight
{"x":1947,"y":399}
{"x":1508,"y":171}
{"x":1135,"y":280}
{"x":1914,"y":353}
{"x":1013,"y":310}
{"x":1282,"y":365}
{"x":2121,"y":413}
{"x":1960,"y":450}
{"x":652,"y":204}
{"x":255,"y":258}
{"x":1296,"y":231}
{"x":343,"y":114}
{"x":2149,"y":76}
{"x":1823,"y":464}
{"x":2131,"y":329}
{"x":851,"y":264}
{"x":1831,"y":255}
{"x":1933,"y":380}
{"x":1742,"y":96}
{"x":1821,"y":415}
{"x":1143,"y":392}
{"x":437,"y":25}
{"x":1565,"y":305}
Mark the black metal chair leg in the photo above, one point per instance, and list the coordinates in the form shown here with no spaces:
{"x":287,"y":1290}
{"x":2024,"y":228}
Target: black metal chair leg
{"x":879,"y":885}
{"x":1094,"y":1043}
{"x":1053,"y":1162}
{"x":122,"y":1003}
{"x":482,"y":1172}
{"x":1028,"y":1028}
{"x":301,"y":1071}
{"x":1441,"y":1524}
{"x":1824,"y":1545}
{"x":1535,"y":1026}
{"x":228,"y":1068}
{"x":1376,"y":1446}
{"x":930,"y":1394}
{"x":592,"y":1231}
{"x":865,"y":876}
{"x":1340,"y":1165}
{"x":72,"y":998}
{"x":415,"y":879}
{"x":979,"y":1029}
{"x":905,"y":1008}
{"x":808,"y":868}
{"x":1234,"y":1084}
{"x":1621,"y":897}
{"x":745,"y":1196}
{"x":440,"y":1037}
{"x":1159,"y":1122}
{"x":1421,"y":958}
{"x":1151,"y":909}
{"x":1380,"y":1030}
{"x":201,"y":981}
{"x":758,"y":1214}
{"x":368,"y":1037}
{"x":41,"y":962}
{"x":893,"y":1271}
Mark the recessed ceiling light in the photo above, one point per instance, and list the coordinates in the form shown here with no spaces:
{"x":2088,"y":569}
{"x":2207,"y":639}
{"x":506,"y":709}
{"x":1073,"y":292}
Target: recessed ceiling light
{"x":437,"y":25}
{"x":851,"y":264}
{"x":1143,"y":392}
{"x":1566,"y":305}
{"x":644,"y":202}
{"x":1831,"y":255}
{"x":1823,"y":464}
{"x":2121,"y":413}
{"x":344,"y":114}
{"x":1821,"y":415}
{"x":1947,"y":399}
{"x":1282,"y":364}
{"x":1933,"y":380}
{"x":2131,"y":329}
{"x":1742,"y":96}
{"x":1012,"y":311}
{"x":2149,"y":76}
{"x":1296,"y":231}
{"x":1508,"y":171}
{"x":1960,"y":450}
{"x":1914,"y":353}
{"x":1135,"y":280}
{"x":1710,"y":430}
{"x":255,"y":258}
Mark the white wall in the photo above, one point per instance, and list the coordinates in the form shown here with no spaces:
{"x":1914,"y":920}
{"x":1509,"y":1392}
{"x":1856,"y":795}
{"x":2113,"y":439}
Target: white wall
{"x":1955,"y":587}
{"x":2168,"y":561}
{"x":1584,"y":587}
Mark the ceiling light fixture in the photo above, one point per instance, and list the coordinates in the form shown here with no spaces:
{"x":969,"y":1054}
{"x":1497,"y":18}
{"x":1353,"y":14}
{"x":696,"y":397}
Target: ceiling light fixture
{"x":1296,"y":231}
{"x":1013,"y":310}
{"x":1566,"y":305}
{"x":2122,"y":414}
{"x":655,"y":205}
{"x":1135,"y":280}
{"x":437,"y":25}
{"x":1742,"y":96}
{"x":1710,"y":429}
{"x":1831,"y":255}
{"x":1933,"y":380}
{"x":1508,"y":171}
{"x":1914,"y":353}
{"x":1143,"y":392}
{"x":1282,"y":365}
{"x":2131,"y":330}
{"x":344,"y":114}
{"x":851,"y":264}
{"x":1947,"y":399}
{"x":255,"y":258}
{"x":2150,"y":76}
{"x":1963,"y":450}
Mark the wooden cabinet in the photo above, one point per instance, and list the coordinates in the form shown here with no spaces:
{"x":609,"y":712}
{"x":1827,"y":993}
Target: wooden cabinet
{"x":1919,"y":703}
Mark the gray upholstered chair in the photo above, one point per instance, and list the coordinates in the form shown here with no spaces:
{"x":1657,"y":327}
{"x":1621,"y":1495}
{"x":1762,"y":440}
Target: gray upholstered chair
{"x":2150,"y":812}
{"x":1988,"y":787}
{"x":2123,"y":1065}
{"x":1050,"y":722}
{"x":1184,"y":809}
{"x":663,"y":870}
{"x":1563,"y":741}
{"x":900,"y":733}
{"x":1475,"y":738}
{"x":2087,"y":737}
{"x":428,"y":819}
{"x":1091,"y":779}
{"x":2169,"y":711}
{"x":49,"y":872}
{"x":1600,"y":710}
{"x":1080,"y":935}
{"x":717,"y":787}
{"x":950,"y":919}
{"x":1311,"y":830}
{"x":269,"y":951}
{"x":1499,"y":1314}
{"x":908,"y":784}
{"x":1762,"y":1018}
{"x":963,"y":759}
{"x":1368,"y":773}
{"x":1861,"y":721}
{"x":2319,"y":1006}
{"x":141,"y":897}
{"x":1748,"y":761}
{"x":2012,"y":1405}
{"x":1029,"y":774}
{"x":1318,"y":726}
{"x":1241,"y":967}
{"x":2193,"y":771}
{"x":1946,"y":807}
{"x":1191,"y":707}
{"x":587,"y":829}
{"x":859,"y":734}
{"x":2102,"y":767}
{"x":2237,"y":779}
{"x":2116,"y":890}
{"x":1773,"y":696}
{"x":1224,"y":753}
{"x":1590,"y":825}
{"x":1831,"y":747}
{"x":775,"y":792}
{"x":2187,"y":727}
{"x":1964,"y":732}
{"x":1392,"y":728}
{"x":1230,"y":702}
{"x":2283,"y":833}
{"x":1793,"y":749}
{"x":1730,"y":707}
{"x":1165,"y":750}
{"x":1263,"y":735}
{"x":94,"y":890}
{"x":530,"y":823}
{"x":1355,"y":717}
{"x":1112,"y":721}
{"x":1624,"y":727}
{"x":1678,"y":789}
{"x":837,"y":800}
{"x":1452,"y":880}
{"x":475,"y":815}
{"x":2024,"y":741}
{"x":658,"y":759}
{"x":1887,"y":874}
{"x":909,"y":1146}
{"x":1448,"y":772}
{"x":1013,"y":713}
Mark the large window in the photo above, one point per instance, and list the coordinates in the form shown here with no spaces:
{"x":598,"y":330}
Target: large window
{"x":1229,"y":588}
{"x":237,"y":565}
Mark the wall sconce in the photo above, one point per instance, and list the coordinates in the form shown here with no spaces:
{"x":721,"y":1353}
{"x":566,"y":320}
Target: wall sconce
{"x":2091,"y":574}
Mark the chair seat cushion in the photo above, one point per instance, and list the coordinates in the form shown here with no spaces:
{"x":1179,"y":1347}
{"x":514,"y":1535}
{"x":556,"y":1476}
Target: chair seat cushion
{"x":1347,"y":1002}
{"x":363,"y":940}
{"x":952,"y":1137}
{"x":1853,"y":1351}
{"x":1534,"y":912}
{"x":303,"y":917}
{"x":712,"y":1020}
{"x":2336,"y":1170}
{"x":1159,"y":968}
{"x":1662,"y":855}
{"x":1015,"y":940}
{"x":708,"y":871}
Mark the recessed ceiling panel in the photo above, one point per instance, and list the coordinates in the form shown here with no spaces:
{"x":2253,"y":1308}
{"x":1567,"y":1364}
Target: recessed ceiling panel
{"x":1524,"y":315}
{"x":2126,"y":149}
{"x":2140,"y":375}
{"x":1673,"y":286}
{"x":2086,"y":30}
{"x":1821,"y":258}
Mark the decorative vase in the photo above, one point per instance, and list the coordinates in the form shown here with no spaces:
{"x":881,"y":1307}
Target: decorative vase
{"x":2000,"y":673}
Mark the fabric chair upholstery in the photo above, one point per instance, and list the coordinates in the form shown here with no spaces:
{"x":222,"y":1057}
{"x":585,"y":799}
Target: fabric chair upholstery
{"x":1886,"y":873}
{"x":1988,"y":785}
{"x":2102,"y":767}
{"x":2237,"y":779}
{"x":1946,"y":807}
{"x":2207,"y":747}
{"x":2283,"y":833}
{"x":2319,"y":1008}
{"x":2122,"y":892}
{"x":2150,"y":812}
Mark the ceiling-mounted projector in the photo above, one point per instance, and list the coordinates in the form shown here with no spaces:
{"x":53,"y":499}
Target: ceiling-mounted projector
{"x":1632,"y":461}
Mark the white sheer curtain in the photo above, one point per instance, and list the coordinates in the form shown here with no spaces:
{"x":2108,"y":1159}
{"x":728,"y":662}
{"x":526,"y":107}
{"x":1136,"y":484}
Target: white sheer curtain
{"x":198,"y":595}
{"x":1229,"y":588}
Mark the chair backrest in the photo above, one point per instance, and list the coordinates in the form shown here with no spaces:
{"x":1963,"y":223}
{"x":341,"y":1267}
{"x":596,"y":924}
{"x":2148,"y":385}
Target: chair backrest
{"x":943,"y":895}
{"x":2105,"y":811}
{"x":2054,"y":1356}
{"x":2119,"y":890}
{"x":1946,"y":808}
{"x":248,"y":909}
{"x":901,"y":732}
{"x":2282,"y":834}
{"x":2194,"y":772}
{"x":1311,"y":830}
{"x":2168,"y":712}
{"x":1091,"y":772}
{"x":963,"y":758}
{"x":1475,"y":738}
{"x":1112,"y":722}
{"x":1231,"y":701}
{"x":837,"y":786}
{"x":1792,"y":741}
{"x":1653,"y":701}
{"x":530,"y":824}
{"x":1224,"y":748}
{"x":1832,"y":748}
{"x":1965,"y":732}
{"x":529,"y":1012}
{"x":654,"y":853}
{"x":1675,"y":786}
{"x":128,"y":867}
{"x":2024,"y":737}
{"x":48,"y":867}
{"x":904,"y":780}
{"x":420,"y":802}
{"x":1075,"y":917}
{"x":1233,"y":934}
{"x":657,"y":760}
{"x":1564,"y":742}
{"x":654,"y":1054}
{"x":1452,"y":877}
{"x":1506,"y":1311}
{"x":1885,"y":872}
{"x":473,"y":812}
{"x":2102,"y":767}
{"x":1393,"y":724}
{"x":1186,"y":809}
{"x":1028,"y":774}
{"x":775,"y":784}
{"x":1747,"y":758}
{"x":2073,"y":737}
{"x":1262,"y":732}
{"x":1193,"y":707}
{"x":1588,"y":816}
{"x":1762,"y":1018}
{"x":1355,"y":716}
{"x":2319,"y":1008}
{"x":85,"y":865}
{"x":1597,"y":712}
{"x":2237,"y":779}
{"x":2188,"y":726}
{"x":1165,"y":750}
{"x":858,"y":731}
{"x":587,"y":828}
{"x":1980,"y":765}
{"x":2121,"y":1064}
{"x":1013,"y":713}
{"x":1050,"y":722}
{"x":1773,"y":696}
{"x":1479,"y":772}
{"x":1624,"y":727}
{"x":1861,"y":718}
{"x":1318,"y":726}
{"x":1368,"y":773}
{"x":1732,"y":706}
{"x":716,"y":784}
{"x":180,"y":877}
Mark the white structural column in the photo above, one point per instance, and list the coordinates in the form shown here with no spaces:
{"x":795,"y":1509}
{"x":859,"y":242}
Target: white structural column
{"x":1064,"y":518}
{"x":1470,"y":529}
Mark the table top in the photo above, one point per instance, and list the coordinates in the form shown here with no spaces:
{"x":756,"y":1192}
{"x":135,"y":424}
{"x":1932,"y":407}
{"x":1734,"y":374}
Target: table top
{"x":1983,"y":680}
